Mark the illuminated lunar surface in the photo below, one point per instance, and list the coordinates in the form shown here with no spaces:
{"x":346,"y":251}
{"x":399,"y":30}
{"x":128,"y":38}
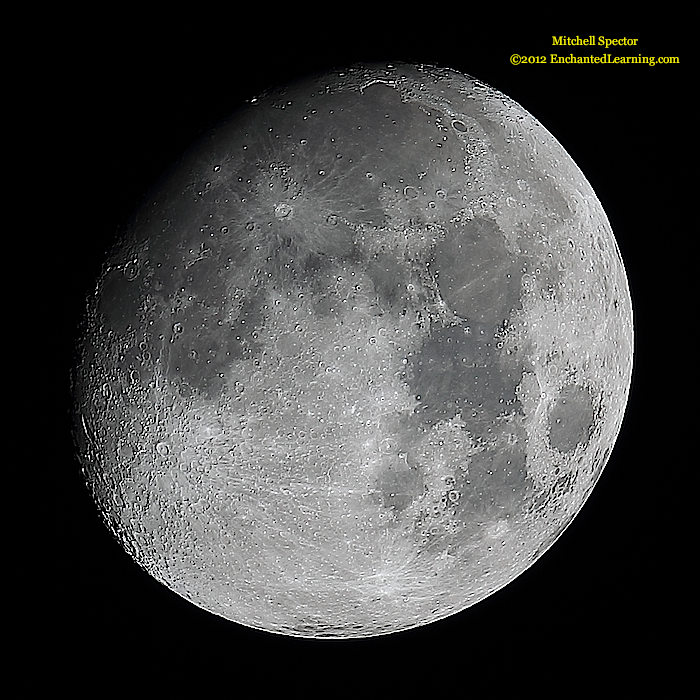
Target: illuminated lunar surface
{"x":360,"y":359}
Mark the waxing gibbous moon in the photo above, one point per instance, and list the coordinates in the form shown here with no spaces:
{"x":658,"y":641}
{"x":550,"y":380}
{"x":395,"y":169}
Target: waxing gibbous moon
{"x":360,"y":358}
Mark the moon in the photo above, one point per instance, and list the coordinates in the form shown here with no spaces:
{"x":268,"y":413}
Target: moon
{"x":360,"y":358}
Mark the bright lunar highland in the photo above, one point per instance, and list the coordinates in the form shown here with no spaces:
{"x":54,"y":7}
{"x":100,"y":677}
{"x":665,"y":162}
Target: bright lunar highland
{"x":359,"y":359}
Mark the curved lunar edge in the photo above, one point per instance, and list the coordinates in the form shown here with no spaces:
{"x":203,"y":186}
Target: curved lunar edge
{"x":360,"y":360}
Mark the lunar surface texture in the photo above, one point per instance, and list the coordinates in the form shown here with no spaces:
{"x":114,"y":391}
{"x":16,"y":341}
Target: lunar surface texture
{"x":359,"y":359}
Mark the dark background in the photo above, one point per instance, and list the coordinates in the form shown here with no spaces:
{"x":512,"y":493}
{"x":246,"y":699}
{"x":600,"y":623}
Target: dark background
{"x":126,"y":95}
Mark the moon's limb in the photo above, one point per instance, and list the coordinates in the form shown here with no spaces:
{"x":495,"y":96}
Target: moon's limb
{"x":361,"y":359}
